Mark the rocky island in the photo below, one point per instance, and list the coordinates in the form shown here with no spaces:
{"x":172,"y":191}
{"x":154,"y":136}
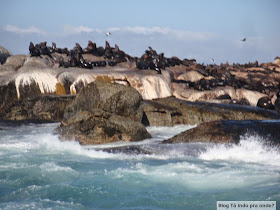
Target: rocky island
{"x":103,"y":95}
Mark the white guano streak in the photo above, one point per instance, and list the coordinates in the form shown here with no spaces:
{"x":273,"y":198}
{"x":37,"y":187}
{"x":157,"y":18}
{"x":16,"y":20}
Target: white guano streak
{"x":46,"y":81}
{"x":85,"y":79}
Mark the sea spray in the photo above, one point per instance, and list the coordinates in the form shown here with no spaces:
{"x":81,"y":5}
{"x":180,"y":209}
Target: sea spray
{"x":37,"y":170}
{"x":251,"y":149}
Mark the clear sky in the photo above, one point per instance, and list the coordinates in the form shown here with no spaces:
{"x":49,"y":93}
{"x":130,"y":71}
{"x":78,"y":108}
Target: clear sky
{"x":200,"y":29}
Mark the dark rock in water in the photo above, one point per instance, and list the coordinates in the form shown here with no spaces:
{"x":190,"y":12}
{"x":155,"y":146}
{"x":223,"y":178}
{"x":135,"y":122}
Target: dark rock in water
{"x":129,"y":150}
{"x":172,"y":111}
{"x":229,"y":132}
{"x":4,"y":54}
{"x":103,"y":113}
{"x":40,"y":108}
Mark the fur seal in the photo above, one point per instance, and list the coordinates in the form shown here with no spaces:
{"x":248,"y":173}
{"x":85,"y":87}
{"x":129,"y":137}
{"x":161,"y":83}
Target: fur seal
{"x":243,"y":101}
{"x":151,"y":60}
{"x":99,"y":51}
{"x":44,"y":49}
{"x":59,"y":50}
{"x":33,"y":50}
{"x":91,"y":48}
{"x":265,"y":102}
{"x":108,"y":51}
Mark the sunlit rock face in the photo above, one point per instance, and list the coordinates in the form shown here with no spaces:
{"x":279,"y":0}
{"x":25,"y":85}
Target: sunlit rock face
{"x":209,"y":96}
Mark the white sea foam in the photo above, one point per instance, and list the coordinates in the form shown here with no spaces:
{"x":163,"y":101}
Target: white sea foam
{"x":158,"y":134}
{"x":251,"y":149}
{"x":53,"y":167}
{"x":198,"y":176}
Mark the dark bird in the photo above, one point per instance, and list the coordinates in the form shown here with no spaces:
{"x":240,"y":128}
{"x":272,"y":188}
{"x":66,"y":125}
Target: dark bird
{"x":243,"y":40}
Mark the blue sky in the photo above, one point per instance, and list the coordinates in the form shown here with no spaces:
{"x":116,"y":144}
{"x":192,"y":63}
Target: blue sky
{"x":197,"y":29}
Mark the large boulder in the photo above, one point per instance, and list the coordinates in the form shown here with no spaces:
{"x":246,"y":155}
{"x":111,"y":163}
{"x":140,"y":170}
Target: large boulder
{"x":229,"y":131}
{"x":171,"y":111}
{"x":38,"y":62}
{"x":4,"y":54}
{"x":15,"y":61}
{"x":103,"y":112}
{"x":6,"y":72}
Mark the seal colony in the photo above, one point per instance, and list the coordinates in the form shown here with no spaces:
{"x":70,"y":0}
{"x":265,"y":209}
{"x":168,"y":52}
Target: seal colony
{"x":111,"y":56}
{"x":106,"y":86}
{"x":186,"y":73}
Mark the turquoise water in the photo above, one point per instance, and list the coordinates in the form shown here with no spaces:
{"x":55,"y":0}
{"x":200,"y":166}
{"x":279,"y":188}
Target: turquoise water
{"x":37,"y":170}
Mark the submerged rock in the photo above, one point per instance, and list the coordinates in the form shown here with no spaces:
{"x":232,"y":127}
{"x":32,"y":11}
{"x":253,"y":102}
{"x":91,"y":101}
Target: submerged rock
{"x":103,"y":112}
{"x":229,"y":132}
{"x":129,"y":150}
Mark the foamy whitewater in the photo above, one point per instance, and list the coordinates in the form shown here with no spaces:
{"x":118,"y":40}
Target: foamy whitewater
{"x":37,"y":170}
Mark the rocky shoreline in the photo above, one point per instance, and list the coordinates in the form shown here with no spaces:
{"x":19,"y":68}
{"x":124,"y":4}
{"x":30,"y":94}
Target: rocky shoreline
{"x":103,"y":95}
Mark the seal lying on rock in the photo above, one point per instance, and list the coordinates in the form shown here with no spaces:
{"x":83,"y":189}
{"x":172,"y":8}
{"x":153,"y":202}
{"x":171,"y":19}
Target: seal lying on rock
{"x":265,"y":102}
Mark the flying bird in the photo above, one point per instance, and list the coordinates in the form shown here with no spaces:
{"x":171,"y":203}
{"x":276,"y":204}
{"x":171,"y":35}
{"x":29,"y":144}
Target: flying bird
{"x":243,"y":40}
{"x":213,"y":60}
{"x":108,"y":33}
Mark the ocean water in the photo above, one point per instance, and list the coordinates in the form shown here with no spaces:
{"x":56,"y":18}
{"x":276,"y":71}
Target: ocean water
{"x":37,"y":170}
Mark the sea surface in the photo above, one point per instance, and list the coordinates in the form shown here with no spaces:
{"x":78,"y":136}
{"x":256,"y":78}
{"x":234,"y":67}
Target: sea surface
{"x":37,"y":170}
